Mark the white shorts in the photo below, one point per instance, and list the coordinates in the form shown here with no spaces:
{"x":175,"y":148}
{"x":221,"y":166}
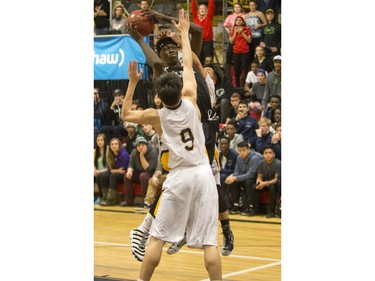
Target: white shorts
{"x":189,"y":202}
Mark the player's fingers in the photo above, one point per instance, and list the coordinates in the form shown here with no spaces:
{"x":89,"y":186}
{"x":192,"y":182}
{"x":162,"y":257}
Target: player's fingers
{"x":174,"y":23}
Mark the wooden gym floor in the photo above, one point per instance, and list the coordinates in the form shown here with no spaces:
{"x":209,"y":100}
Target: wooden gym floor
{"x":256,"y":255}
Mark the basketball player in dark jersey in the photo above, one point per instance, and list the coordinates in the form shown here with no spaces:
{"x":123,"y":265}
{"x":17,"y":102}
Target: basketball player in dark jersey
{"x":166,"y":59}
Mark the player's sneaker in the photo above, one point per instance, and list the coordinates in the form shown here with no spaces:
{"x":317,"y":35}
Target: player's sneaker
{"x":138,"y":240}
{"x":228,"y":240}
{"x":175,"y":247}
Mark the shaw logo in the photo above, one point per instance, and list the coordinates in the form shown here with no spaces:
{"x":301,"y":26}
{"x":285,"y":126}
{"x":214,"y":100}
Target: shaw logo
{"x":110,"y":58}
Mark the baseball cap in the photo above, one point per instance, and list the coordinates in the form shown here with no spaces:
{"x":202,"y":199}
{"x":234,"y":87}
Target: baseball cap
{"x":140,"y":140}
{"x":261,"y":70}
{"x":278,"y":57}
{"x":270,"y":11}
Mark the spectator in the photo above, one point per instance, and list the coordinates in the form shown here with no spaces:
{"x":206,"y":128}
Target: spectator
{"x":264,"y":62}
{"x":151,"y":136}
{"x":240,"y":37}
{"x":264,"y":135}
{"x":228,"y":25}
{"x":100,"y":113}
{"x":233,"y":110}
{"x":100,"y":165}
{"x":268,"y":178}
{"x":117,"y":24}
{"x":246,"y":125}
{"x":154,"y":184}
{"x":113,"y":127}
{"x":157,"y":102}
{"x":245,"y":173}
{"x":271,"y":36}
{"x":251,"y":78}
{"x":143,"y":161}
{"x":256,"y":94}
{"x":255,"y":20}
{"x":204,"y":17}
{"x":269,"y":112}
{"x":227,"y":160}
{"x":233,"y":136}
{"x":101,"y":17}
{"x":276,"y":117}
{"x":276,"y":141}
{"x":132,"y":136}
{"x":118,"y":161}
{"x":273,"y":85}
{"x":264,"y":5}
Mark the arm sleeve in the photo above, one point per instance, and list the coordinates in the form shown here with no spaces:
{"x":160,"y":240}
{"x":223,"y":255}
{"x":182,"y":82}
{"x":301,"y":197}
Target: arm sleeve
{"x":124,"y":161}
{"x":237,"y":168}
{"x":211,"y":9}
{"x":193,"y":8}
{"x":152,"y":161}
{"x":252,"y":172}
{"x":131,"y":161}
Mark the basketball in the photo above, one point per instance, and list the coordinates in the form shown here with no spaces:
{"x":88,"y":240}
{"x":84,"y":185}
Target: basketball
{"x":143,"y":24}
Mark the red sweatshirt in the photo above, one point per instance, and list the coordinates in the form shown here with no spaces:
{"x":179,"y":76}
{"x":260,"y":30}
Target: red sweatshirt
{"x":205,"y":23}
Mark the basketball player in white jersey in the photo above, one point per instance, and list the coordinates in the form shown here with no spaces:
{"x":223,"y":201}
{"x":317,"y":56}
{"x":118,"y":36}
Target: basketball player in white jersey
{"x":189,"y":201}
{"x":165,"y":59}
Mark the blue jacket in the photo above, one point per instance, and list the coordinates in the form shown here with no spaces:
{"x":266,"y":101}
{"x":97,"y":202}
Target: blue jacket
{"x":247,"y":169}
{"x":246,"y":127}
{"x":262,"y":141}
{"x":229,"y":166}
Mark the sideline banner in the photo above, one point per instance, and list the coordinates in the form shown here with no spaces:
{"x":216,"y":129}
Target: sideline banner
{"x":112,"y":55}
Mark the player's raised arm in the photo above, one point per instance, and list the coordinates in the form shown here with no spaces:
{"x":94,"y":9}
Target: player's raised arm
{"x":148,"y":116}
{"x":190,"y":84}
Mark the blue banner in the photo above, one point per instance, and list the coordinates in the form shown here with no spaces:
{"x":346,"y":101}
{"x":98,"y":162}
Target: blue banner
{"x":112,"y":55}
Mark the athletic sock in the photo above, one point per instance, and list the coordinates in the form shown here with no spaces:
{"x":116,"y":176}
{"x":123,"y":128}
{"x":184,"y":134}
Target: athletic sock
{"x":146,"y":224}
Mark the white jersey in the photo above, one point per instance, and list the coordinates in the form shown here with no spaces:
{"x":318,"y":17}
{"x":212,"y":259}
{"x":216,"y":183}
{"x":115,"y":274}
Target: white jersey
{"x":183,"y":138}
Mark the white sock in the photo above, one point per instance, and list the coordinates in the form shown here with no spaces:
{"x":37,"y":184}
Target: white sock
{"x":146,"y":224}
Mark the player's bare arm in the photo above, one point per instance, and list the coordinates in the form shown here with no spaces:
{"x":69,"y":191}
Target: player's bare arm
{"x":189,"y":82}
{"x":151,"y":57}
{"x":147,"y":116}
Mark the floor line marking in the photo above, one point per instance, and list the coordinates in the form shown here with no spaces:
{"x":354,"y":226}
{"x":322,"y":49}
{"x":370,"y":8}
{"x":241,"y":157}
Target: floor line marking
{"x":247,"y":270}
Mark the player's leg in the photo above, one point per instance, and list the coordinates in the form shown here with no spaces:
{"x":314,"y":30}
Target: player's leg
{"x":228,"y":237}
{"x":151,"y":259}
{"x":212,"y":262}
{"x":139,"y":235}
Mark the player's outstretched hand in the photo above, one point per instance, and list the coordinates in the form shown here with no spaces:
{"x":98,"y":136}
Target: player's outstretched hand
{"x":183,"y":21}
{"x":134,"y":75}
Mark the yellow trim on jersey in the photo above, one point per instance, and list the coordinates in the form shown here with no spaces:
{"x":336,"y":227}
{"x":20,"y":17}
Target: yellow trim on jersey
{"x":164,"y":156}
{"x":216,"y":155}
{"x":157,"y":205}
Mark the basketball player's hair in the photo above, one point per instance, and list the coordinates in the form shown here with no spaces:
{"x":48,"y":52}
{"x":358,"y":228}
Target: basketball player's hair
{"x":168,"y":87}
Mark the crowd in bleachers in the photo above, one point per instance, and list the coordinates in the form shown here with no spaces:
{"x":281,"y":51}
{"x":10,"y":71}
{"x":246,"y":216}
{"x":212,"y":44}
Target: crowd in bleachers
{"x":245,"y":92}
